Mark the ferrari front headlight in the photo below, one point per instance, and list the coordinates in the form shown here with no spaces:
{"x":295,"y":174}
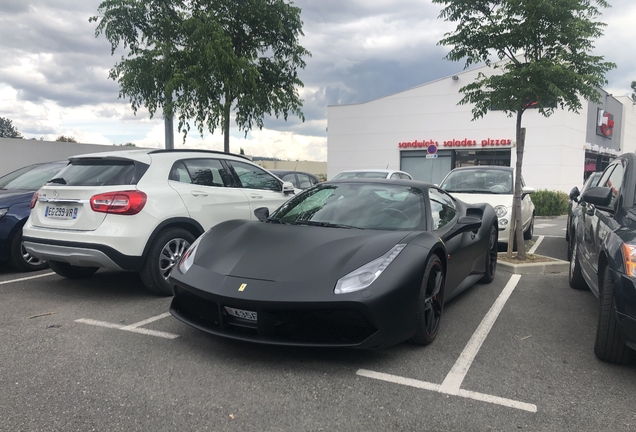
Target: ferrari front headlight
{"x":501,"y":211}
{"x":188,"y":258}
{"x":3,"y":211}
{"x":364,"y":276}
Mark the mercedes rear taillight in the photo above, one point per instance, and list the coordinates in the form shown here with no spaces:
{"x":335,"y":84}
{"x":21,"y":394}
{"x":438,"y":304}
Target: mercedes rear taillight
{"x":123,"y":202}
{"x":34,"y":199}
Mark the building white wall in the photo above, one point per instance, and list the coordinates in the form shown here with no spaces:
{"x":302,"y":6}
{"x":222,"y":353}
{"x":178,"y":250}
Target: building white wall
{"x":366,"y":135}
{"x":628,"y":133}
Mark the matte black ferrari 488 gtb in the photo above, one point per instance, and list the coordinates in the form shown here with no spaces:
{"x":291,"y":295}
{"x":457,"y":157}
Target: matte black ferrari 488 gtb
{"x":356,"y":263}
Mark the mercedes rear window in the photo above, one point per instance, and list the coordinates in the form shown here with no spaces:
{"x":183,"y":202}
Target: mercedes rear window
{"x":100,"y":172}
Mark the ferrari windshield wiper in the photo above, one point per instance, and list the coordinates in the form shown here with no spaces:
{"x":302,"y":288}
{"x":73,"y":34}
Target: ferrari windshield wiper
{"x":324,"y":224}
{"x":278,"y":221}
{"x":58,"y":180}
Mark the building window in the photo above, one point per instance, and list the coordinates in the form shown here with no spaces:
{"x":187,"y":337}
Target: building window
{"x":482,"y":157}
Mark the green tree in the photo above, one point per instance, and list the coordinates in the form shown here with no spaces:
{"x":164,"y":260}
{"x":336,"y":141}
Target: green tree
{"x":201,"y":60}
{"x":542,"y":59}
{"x":64,"y":138}
{"x":634,"y":88}
{"x":7,"y":130}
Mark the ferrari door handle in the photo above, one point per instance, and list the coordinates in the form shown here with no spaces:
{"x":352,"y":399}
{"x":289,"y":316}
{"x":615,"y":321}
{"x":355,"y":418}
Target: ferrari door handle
{"x":256,"y":196}
{"x":199,"y":193}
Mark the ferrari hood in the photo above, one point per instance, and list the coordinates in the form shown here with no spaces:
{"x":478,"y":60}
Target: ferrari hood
{"x":492,"y":199}
{"x":274,"y":252}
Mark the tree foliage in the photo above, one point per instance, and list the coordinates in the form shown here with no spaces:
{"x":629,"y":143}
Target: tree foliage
{"x":7,"y":130}
{"x":540,"y":53}
{"x":64,"y":138}
{"x":201,"y":60}
{"x":634,"y":88}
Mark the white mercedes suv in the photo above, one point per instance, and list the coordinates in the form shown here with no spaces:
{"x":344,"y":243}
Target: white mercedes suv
{"x":139,"y":210}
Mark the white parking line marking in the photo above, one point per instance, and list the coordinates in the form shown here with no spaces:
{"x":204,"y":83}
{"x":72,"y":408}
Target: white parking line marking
{"x":26,"y":278}
{"x":498,"y":400}
{"x":152,"y":333}
{"x":133,"y":328}
{"x":482,"y":397}
{"x":99,"y":323}
{"x":399,"y":380}
{"x":544,"y":225}
{"x":148,"y":321}
{"x":454,"y":379}
{"x":533,"y":249}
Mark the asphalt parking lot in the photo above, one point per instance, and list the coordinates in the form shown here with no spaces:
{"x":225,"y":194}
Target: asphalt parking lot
{"x":102,"y":354}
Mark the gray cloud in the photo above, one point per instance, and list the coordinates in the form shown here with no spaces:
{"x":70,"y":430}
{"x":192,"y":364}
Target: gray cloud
{"x":361,"y":50}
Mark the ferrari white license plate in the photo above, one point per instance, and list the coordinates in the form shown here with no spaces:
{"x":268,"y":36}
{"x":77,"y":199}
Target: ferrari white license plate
{"x":239,"y":313}
{"x":62,"y":212}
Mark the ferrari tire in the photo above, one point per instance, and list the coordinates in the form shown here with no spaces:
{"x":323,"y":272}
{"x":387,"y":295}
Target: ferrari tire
{"x":609,"y":345}
{"x":164,"y":253}
{"x":70,"y":271}
{"x":570,"y":245}
{"x":491,"y":256}
{"x":529,"y":232}
{"x":430,"y":302}
{"x":575,"y":277}
{"x":20,"y":259}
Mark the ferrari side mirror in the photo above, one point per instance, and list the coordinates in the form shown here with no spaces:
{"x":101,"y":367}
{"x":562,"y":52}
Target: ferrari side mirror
{"x":464,"y":224}
{"x":261,"y":213}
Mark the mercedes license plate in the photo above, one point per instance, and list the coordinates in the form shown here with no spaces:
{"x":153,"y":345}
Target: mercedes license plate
{"x":239,"y":313}
{"x":52,"y":212}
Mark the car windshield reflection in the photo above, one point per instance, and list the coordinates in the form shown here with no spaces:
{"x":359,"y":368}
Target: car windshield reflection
{"x":482,"y":181}
{"x":354,"y":205}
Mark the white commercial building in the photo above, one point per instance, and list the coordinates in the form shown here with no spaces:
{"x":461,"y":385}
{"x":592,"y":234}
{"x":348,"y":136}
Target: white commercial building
{"x":424,"y":132}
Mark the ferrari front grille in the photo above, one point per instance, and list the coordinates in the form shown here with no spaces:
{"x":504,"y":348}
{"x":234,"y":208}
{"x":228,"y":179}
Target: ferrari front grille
{"x":323,"y":326}
{"x":197,"y":308}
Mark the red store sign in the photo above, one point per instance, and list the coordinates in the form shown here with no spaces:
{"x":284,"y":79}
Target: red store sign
{"x":489,"y":142}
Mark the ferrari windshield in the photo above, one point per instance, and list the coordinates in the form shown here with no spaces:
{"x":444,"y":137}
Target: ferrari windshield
{"x":354,"y":205}
{"x":479,"y":180}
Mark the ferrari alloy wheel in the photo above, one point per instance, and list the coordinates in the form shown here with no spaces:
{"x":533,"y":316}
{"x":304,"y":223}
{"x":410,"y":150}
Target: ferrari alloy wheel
{"x":491,"y":257}
{"x":574,"y":274}
{"x":20,"y":259}
{"x":164,"y":253}
{"x":430,"y":303}
{"x":609,"y":345}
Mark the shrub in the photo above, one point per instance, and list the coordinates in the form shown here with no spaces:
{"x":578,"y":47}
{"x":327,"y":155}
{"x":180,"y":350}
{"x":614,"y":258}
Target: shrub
{"x":550,"y":203}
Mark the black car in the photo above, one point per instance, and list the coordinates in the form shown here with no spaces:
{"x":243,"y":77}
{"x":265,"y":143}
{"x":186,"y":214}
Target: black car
{"x":355,"y":263}
{"x":16,"y":191}
{"x":573,"y":206}
{"x":604,"y":257}
{"x":300,"y":180}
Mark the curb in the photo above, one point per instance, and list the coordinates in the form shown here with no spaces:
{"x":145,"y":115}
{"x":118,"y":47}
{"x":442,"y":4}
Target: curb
{"x":557,"y":266}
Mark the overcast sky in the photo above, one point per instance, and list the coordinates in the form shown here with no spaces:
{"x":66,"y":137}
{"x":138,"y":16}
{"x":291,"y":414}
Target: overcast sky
{"x":54,"y":72}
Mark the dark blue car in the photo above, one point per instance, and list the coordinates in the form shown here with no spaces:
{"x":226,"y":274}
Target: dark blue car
{"x":16,"y":191}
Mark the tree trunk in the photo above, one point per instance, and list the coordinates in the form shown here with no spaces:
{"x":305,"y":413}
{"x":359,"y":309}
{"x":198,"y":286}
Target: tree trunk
{"x":516,"y":227}
{"x":226,"y":123}
{"x":168,"y":124}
